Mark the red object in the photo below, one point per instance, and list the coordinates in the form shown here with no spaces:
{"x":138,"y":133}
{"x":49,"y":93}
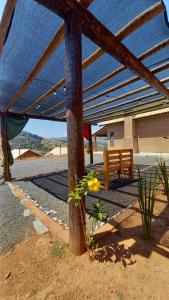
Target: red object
{"x":87,"y":132}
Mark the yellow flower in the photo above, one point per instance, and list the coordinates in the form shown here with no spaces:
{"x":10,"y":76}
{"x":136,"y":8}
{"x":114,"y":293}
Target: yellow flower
{"x":94,"y":185}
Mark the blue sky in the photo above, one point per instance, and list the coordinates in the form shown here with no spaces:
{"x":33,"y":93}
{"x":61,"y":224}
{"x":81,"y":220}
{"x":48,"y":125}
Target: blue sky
{"x":46,"y":128}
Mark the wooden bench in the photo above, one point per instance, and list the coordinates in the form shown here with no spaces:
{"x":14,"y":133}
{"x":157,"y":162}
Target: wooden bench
{"x":119,"y":163}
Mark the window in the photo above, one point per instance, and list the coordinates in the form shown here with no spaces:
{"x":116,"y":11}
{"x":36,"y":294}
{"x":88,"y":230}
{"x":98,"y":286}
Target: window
{"x":111,"y":138}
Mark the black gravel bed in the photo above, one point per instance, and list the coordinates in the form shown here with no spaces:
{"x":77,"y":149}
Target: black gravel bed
{"x":50,"y":192}
{"x":45,"y":182}
{"x":14,"y":227}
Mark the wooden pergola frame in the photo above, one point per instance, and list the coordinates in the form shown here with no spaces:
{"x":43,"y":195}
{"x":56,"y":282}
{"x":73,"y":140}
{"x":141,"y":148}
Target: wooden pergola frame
{"x":78,"y":20}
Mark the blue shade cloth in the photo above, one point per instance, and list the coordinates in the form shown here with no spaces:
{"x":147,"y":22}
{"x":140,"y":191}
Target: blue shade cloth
{"x":33,"y":28}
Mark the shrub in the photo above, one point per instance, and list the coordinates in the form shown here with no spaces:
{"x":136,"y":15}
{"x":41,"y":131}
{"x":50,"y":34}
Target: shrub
{"x":147,"y":197}
{"x":163,"y":175}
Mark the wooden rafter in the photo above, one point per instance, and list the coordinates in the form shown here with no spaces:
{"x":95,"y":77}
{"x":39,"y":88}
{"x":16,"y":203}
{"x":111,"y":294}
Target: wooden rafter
{"x":100,"y":35}
{"x":58,"y":38}
{"x":127,"y":110}
{"x":98,"y":113}
{"x":142,"y":89}
{"x":5,"y":22}
{"x":126,"y":83}
{"x":42,"y":61}
{"x":137,"y":22}
{"x":47,"y":111}
{"x":143,"y":56}
{"x":148,"y":53}
{"x":36,"y":117}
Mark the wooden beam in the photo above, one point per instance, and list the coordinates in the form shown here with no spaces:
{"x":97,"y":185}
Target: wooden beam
{"x":42,"y":61}
{"x":142,"y":89}
{"x":90,"y":144}
{"x":6,"y":21}
{"x":121,"y":112}
{"x":143,"y":56}
{"x":101,"y":113}
{"x":73,"y":73}
{"x":4,"y":145}
{"x":123,"y":33}
{"x":58,"y":38}
{"x":156,"y":70}
{"x":99,"y":34}
{"x":36,"y":117}
{"x":123,"y":84}
{"x":47,"y":111}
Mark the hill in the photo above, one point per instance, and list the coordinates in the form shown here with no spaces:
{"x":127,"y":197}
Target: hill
{"x":44,"y":145}
{"x":35,"y":142}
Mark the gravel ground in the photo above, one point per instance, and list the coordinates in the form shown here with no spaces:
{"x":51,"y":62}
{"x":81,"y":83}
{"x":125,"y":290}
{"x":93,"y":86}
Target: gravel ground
{"x":27,"y":168}
{"x":14,"y":227}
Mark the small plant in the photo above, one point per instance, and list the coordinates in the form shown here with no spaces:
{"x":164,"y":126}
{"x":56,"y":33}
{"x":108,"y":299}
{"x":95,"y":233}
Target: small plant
{"x":89,"y":182}
{"x":58,"y":249}
{"x":97,"y":214}
{"x":164,"y":177}
{"x":147,"y":197}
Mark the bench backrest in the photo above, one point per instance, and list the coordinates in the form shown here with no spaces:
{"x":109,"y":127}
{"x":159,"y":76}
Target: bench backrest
{"x":117,"y":160}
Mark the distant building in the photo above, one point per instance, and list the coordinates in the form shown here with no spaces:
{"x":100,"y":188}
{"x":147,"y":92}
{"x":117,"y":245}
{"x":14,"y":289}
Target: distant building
{"x":57,"y":151}
{"x":24,"y":154}
{"x":144,"y":133}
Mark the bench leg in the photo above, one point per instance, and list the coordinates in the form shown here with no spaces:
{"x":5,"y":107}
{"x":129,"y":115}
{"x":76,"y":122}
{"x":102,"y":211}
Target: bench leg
{"x":106,"y":181}
{"x":131,"y":174}
{"x":119,"y":174}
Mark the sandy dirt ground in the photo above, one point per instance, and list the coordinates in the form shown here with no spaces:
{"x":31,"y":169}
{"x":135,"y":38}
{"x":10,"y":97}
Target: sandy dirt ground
{"x":125,"y":267}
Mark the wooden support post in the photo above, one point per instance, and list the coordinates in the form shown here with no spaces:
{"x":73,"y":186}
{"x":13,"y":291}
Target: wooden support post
{"x":95,"y":143}
{"x":4,"y":144}
{"x":90,"y":145}
{"x":73,"y":73}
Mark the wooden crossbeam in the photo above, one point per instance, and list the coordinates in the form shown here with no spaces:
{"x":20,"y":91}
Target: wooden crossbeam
{"x":116,"y":112}
{"x":100,"y":112}
{"x":36,"y":117}
{"x":137,"y":22}
{"x":99,"y":34}
{"x":143,"y":56}
{"x":142,"y":89}
{"x":126,"y":83}
{"x":42,"y":61}
{"x":128,"y":110}
{"x":47,"y":111}
{"x":58,"y":38}
{"x":5,"y":22}
{"x":123,"y":84}
{"x":115,"y":72}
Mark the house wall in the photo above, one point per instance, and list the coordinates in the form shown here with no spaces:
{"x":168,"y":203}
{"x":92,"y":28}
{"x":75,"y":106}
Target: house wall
{"x":57,"y":151}
{"x":118,"y":129}
{"x":150,"y":133}
{"x":148,"y":136}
